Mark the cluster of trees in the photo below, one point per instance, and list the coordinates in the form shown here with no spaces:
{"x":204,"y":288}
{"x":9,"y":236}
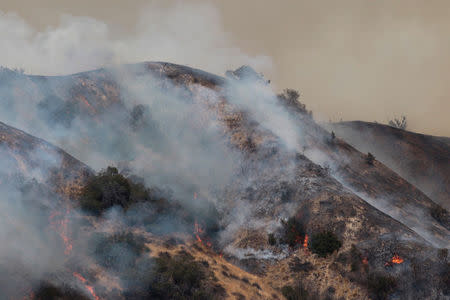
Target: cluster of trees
{"x":174,"y":277}
{"x":400,"y":123}
{"x":110,"y":188}
{"x":293,"y":234}
{"x":291,"y":99}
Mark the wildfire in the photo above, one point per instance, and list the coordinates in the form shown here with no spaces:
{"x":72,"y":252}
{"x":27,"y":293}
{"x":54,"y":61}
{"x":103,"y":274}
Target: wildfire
{"x":59,"y":223}
{"x":88,"y":287}
{"x":395,"y":260}
{"x":198,"y":230}
{"x":305,"y":242}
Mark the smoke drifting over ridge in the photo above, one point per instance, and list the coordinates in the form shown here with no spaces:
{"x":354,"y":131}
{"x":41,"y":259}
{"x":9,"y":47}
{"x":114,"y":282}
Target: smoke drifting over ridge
{"x":355,"y":60}
{"x":176,"y":33}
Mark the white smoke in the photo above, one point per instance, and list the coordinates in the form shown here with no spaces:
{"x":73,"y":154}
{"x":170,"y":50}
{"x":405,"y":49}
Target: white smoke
{"x":183,"y":33}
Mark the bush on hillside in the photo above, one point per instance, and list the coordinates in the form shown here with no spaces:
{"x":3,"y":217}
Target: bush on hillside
{"x":297,"y":292}
{"x":48,"y":291}
{"x":118,"y":251}
{"x":290,"y":98}
{"x":400,"y":123}
{"x":174,"y":277}
{"x":370,"y":158}
{"x":109,"y":188}
{"x":440,"y":214}
{"x":381,"y":286}
{"x":324,"y":243}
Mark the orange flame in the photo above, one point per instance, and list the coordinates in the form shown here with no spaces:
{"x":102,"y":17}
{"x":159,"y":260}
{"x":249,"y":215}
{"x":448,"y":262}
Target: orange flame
{"x":305,"y":242}
{"x":59,"y":222}
{"x":88,"y":287}
{"x":365,"y":260}
{"x":397,"y":259}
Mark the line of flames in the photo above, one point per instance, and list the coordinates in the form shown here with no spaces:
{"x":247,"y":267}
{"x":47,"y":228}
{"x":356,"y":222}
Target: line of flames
{"x":59,"y":222}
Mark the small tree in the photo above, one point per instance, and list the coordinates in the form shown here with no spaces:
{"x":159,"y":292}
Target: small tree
{"x":290,"y":98}
{"x":370,"y":158}
{"x":324,"y":243}
{"x":399,"y":123}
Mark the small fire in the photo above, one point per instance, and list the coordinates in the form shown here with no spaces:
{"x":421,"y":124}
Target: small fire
{"x":396,"y":259}
{"x":88,"y":287}
{"x":365,"y":261}
{"x":59,"y":223}
{"x":198,"y":230}
{"x":305,"y":242}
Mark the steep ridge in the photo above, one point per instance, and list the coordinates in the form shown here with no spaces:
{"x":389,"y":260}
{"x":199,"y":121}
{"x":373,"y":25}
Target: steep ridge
{"x":423,"y":160}
{"x":29,"y":157}
{"x":272,"y":182}
{"x":377,"y":184}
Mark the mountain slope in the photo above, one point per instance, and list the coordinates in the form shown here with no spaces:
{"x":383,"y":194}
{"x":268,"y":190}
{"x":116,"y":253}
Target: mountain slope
{"x":211,"y":137}
{"x":421,"y":159}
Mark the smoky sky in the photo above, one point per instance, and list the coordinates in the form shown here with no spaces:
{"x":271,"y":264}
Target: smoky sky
{"x":351,"y":59}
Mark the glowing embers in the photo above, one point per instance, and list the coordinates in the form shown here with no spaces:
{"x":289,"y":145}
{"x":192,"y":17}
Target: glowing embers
{"x":199,"y":235}
{"x":396,"y":260}
{"x":59,"y":223}
{"x":88,"y":287}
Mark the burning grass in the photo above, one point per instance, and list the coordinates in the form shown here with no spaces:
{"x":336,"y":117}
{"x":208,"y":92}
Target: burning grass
{"x":293,"y":232}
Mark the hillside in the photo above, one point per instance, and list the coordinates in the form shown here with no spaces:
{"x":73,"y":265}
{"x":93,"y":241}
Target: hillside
{"x":230,"y":143}
{"x":423,"y":160}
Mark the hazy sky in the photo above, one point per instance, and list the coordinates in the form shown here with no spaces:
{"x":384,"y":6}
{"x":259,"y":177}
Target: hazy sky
{"x":351,"y":59}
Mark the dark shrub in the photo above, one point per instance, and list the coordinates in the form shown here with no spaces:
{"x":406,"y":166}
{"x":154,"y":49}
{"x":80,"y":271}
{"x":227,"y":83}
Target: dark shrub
{"x":290,"y":98}
{"x":109,"y":188}
{"x":381,"y":286}
{"x":271,"y":239}
{"x":440,"y":214}
{"x":48,"y":291}
{"x":400,"y":123}
{"x":293,"y":232}
{"x":118,"y":251}
{"x":324,"y":243}
{"x":294,"y":293}
{"x":443,"y":253}
{"x":177,"y":277}
{"x":370,"y":158}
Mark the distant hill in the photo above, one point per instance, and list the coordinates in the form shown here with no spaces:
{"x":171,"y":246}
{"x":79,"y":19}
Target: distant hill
{"x":423,"y":160}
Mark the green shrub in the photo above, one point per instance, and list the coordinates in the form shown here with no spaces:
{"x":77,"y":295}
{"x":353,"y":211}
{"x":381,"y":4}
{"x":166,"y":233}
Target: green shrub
{"x":293,"y":232}
{"x":109,"y":188}
{"x":381,"y":286}
{"x":177,"y":277}
{"x":324,"y":243}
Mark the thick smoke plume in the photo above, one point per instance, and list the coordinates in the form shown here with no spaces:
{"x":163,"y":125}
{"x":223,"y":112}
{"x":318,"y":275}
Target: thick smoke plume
{"x":82,"y":43}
